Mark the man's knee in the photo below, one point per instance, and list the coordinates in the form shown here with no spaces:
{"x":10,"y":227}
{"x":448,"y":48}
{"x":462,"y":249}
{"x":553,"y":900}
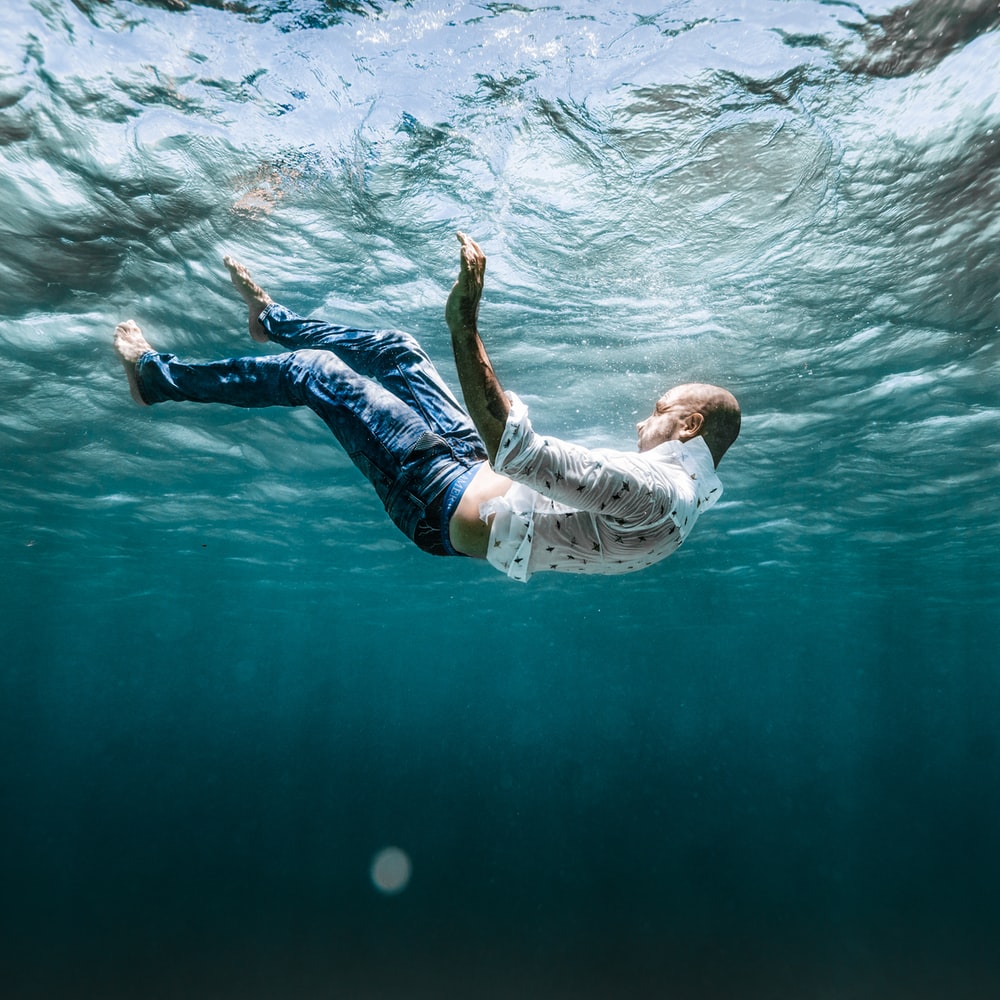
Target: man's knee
{"x":402,"y":343}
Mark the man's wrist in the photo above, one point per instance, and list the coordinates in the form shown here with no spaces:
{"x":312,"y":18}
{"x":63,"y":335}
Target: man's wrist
{"x":462,"y":329}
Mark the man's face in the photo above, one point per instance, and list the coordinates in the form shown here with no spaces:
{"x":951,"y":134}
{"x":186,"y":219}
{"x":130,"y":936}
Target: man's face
{"x":668,"y":421}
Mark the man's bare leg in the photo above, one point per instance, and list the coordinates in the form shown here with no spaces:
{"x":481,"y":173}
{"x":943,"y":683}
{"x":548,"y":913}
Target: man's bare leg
{"x":130,"y":345}
{"x":252,"y":294}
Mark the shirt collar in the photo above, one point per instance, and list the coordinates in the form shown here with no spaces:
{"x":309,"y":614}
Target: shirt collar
{"x":696,"y":459}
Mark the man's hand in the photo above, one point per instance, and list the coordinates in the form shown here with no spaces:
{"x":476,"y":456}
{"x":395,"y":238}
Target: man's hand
{"x":484,"y":397}
{"x":462,"y":309}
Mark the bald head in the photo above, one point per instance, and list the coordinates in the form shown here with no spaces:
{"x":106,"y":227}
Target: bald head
{"x":694,"y":409}
{"x":720,"y":412}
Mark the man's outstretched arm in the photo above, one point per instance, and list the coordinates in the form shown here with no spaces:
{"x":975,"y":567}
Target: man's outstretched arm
{"x":484,"y":397}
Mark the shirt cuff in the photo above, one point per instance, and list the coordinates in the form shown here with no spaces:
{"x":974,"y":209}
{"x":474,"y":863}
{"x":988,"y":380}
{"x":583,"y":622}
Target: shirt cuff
{"x":514,"y":431}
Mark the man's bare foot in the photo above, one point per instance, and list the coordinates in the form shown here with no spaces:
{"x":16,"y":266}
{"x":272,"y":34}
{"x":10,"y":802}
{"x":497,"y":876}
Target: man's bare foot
{"x":130,"y":345}
{"x":252,"y":294}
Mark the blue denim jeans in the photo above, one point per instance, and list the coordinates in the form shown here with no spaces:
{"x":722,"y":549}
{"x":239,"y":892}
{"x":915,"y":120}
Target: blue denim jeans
{"x":375,"y":389}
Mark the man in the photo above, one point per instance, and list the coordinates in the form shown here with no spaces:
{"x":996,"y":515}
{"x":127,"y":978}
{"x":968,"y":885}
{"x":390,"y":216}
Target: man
{"x":490,"y":488}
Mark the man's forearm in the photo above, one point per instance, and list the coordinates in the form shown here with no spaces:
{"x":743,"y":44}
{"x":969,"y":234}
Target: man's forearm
{"x":484,"y":396}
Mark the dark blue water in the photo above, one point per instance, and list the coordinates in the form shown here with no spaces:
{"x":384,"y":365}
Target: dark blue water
{"x":765,"y":768}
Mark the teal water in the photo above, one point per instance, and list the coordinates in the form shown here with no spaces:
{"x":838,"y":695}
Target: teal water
{"x":767,"y":767}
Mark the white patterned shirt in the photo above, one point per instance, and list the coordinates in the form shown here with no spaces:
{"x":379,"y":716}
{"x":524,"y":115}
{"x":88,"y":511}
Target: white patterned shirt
{"x":592,"y":510}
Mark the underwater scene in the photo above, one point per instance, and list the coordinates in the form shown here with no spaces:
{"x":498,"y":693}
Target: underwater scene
{"x":255,"y":744}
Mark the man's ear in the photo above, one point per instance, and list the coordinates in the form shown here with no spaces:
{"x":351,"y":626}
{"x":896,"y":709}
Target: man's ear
{"x":691,"y":426}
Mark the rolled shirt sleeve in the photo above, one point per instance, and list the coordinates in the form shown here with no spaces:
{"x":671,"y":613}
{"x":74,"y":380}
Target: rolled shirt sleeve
{"x":614,"y":484}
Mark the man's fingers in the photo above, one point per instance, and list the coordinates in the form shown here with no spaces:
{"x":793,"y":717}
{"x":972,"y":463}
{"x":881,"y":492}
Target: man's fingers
{"x":470,"y":249}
